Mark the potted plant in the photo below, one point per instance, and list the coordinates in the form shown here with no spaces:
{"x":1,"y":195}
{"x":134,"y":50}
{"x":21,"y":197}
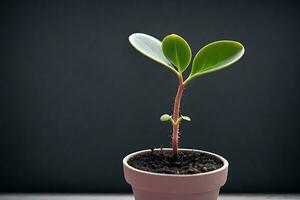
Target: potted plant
{"x":173,"y":173}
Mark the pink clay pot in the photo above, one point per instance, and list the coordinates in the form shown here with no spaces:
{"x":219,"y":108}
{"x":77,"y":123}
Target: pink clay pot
{"x":156,"y":186}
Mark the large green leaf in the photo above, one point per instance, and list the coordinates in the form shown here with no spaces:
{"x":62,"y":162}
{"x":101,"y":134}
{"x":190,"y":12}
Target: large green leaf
{"x":150,"y":47}
{"x":177,"y":50}
{"x":216,"y":56}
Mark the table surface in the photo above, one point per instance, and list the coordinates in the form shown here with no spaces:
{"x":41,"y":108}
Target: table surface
{"x":130,"y":197}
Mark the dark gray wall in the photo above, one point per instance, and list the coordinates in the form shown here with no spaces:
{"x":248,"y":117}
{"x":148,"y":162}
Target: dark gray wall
{"x":75,"y":97}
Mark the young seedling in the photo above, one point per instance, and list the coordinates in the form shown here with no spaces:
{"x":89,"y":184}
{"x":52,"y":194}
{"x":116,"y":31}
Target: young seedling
{"x":175,"y":54}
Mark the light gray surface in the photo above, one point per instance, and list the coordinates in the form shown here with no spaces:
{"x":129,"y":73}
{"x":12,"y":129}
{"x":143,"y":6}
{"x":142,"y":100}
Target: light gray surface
{"x":130,"y":197}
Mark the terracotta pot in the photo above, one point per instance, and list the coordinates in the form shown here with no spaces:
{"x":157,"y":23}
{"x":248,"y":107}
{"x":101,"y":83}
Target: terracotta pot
{"x":156,"y":186}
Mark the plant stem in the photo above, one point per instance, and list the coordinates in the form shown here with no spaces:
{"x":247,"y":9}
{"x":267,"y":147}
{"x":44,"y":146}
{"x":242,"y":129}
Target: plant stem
{"x":176,"y":111}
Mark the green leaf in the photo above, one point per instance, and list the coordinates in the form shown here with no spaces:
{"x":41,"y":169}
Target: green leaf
{"x":165,"y":117}
{"x":216,"y":56}
{"x":177,"y":50}
{"x":150,"y":47}
{"x":186,"y":118}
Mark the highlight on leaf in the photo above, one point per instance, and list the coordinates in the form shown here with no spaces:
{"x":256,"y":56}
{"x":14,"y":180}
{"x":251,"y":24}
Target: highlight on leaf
{"x":150,"y":47}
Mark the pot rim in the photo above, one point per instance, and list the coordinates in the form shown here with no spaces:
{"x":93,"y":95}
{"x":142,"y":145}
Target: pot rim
{"x":225,"y":163}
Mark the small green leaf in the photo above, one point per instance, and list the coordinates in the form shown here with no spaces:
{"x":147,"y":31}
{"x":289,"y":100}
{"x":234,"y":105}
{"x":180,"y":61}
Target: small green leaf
{"x":165,"y":117}
{"x":177,"y":50}
{"x":216,"y":56}
{"x":186,"y":118}
{"x":150,"y":47}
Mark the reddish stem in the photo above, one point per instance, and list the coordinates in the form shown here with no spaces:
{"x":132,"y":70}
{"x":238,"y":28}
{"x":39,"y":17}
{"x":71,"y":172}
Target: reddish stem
{"x":176,"y":117}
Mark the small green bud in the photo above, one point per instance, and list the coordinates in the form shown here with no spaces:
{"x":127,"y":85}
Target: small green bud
{"x":165,"y":117}
{"x":186,"y":118}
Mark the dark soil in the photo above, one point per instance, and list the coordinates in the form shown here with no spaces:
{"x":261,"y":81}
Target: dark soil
{"x":188,"y":162}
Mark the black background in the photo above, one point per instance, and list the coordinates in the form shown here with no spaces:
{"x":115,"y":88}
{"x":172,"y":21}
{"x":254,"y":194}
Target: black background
{"x":75,"y":97}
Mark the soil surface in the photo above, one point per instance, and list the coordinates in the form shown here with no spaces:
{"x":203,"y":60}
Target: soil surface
{"x":188,"y":162}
